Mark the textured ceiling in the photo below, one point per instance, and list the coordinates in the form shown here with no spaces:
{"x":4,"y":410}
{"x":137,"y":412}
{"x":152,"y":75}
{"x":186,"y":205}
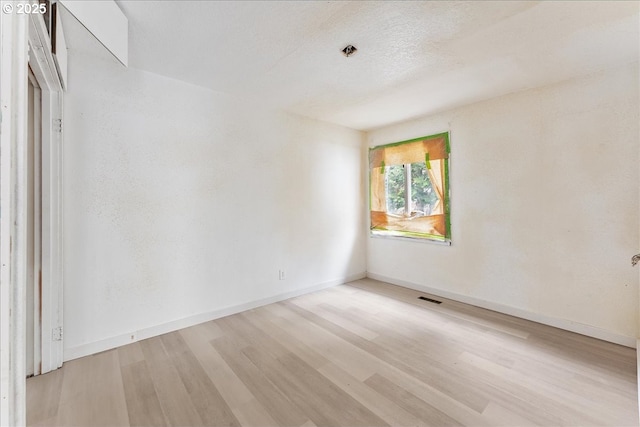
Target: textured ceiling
{"x":414,"y":58}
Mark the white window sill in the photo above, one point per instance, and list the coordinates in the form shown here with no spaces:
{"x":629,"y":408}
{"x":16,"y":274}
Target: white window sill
{"x":410,"y":239}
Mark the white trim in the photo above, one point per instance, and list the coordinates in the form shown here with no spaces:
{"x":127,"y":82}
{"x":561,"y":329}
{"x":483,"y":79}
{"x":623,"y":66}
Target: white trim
{"x":61,"y":50}
{"x":13,"y":141}
{"x":569,"y":325}
{"x":34,"y":360}
{"x":153,"y":331}
{"x":638,"y":370}
{"x":372,"y":235}
{"x":44,"y":68}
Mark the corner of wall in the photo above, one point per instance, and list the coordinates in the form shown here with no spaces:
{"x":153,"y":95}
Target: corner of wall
{"x":568,"y":325}
{"x":153,"y":331}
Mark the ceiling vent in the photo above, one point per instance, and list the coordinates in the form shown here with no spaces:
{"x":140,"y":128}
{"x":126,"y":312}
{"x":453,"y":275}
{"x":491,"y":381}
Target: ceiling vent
{"x":349,"y":50}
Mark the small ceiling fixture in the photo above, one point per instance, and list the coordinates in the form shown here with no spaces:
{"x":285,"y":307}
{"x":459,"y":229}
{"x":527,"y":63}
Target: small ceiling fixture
{"x":349,"y":50}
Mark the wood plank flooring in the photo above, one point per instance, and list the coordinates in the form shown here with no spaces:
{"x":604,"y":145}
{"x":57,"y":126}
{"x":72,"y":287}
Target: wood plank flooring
{"x":362,"y":354}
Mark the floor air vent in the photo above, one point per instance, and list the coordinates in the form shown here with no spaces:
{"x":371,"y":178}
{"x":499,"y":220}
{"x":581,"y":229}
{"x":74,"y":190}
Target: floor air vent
{"x":430,"y":300}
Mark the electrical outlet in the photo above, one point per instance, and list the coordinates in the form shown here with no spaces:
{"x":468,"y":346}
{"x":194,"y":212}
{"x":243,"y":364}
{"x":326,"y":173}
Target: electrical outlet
{"x":280,"y":274}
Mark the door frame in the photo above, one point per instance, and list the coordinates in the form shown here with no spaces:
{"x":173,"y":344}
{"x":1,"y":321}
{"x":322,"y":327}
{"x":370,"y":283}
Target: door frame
{"x":44,"y":69}
{"x":13,"y":105}
{"x":34,"y":227}
{"x":24,"y":41}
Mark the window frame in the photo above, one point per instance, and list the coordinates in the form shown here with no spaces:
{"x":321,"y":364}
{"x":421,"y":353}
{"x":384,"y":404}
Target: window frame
{"x":418,"y":236}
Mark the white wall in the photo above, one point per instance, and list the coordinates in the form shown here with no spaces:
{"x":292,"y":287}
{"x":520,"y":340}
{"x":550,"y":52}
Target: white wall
{"x":544,"y":188}
{"x":180,"y":203}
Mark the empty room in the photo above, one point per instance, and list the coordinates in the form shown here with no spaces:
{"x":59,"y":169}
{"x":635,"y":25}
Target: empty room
{"x":319,"y":213}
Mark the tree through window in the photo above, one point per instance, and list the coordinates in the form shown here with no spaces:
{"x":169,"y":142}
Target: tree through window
{"x":409,"y":188}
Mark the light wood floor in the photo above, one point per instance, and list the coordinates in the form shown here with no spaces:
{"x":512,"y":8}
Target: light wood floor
{"x":363,"y":354}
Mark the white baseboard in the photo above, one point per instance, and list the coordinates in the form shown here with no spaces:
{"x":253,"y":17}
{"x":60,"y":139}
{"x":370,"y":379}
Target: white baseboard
{"x":569,"y":325}
{"x":153,"y":331}
{"x":638,"y":370}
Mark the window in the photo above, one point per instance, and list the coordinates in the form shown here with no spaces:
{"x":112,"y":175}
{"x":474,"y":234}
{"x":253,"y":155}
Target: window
{"x":409,"y":189}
